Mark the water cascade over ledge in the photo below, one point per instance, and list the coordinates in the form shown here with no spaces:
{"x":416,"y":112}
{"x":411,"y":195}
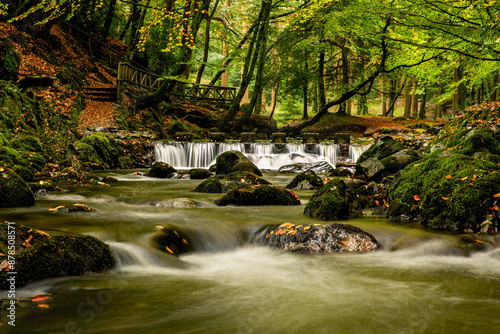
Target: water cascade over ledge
{"x":186,"y":155}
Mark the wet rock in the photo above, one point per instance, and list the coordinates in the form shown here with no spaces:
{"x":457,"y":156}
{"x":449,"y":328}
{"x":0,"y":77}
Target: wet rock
{"x":341,"y":172}
{"x":399,"y":160}
{"x":224,"y":183}
{"x":173,"y":241}
{"x":14,"y":191}
{"x":333,"y":201}
{"x":315,"y":238}
{"x":258,"y":195}
{"x":307,"y":180}
{"x":109,"y":180}
{"x":382,"y":148}
{"x":161,"y":170}
{"x":40,"y":256}
{"x":77,"y":207}
{"x":176,"y":203}
{"x":199,"y":174}
{"x":234,"y":161}
{"x":370,"y":168}
{"x":317,"y":167}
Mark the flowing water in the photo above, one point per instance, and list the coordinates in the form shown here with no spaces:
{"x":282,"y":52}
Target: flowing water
{"x":229,"y":286}
{"x":270,"y":156}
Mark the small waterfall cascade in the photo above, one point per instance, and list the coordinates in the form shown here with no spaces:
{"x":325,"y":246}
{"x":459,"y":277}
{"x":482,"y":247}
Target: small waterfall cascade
{"x":187,"y":155}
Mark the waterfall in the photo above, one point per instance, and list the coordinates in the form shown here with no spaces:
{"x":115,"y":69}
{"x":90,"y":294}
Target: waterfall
{"x":187,"y":155}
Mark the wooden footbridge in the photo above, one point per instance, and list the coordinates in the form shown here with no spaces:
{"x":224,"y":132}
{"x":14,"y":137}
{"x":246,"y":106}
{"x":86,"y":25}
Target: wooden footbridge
{"x":195,"y":93}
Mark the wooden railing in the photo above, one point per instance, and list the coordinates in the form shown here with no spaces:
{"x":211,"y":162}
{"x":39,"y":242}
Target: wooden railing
{"x":189,"y":91}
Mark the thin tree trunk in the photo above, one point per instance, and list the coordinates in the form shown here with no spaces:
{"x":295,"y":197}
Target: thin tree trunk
{"x":408,"y":100}
{"x":494,"y":94}
{"x":421,"y":113}
{"x":206,"y":47}
{"x":439,"y":108}
{"x":108,"y":20}
{"x":383,"y":106}
{"x":305,"y":86}
{"x":414,"y":98}
{"x":343,"y":109}
{"x":321,"y":79}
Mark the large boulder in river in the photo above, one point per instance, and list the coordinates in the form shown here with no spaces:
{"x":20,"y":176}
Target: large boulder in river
{"x":307,"y":180}
{"x":454,"y":192}
{"x":333,"y":201}
{"x":40,"y":256}
{"x":315,"y":238}
{"x":258,"y":195}
{"x":224,"y":183}
{"x":234,"y":161}
{"x":199,"y":174}
{"x":383,"y":158}
{"x":161,"y":170}
{"x":14,"y":191}
{"x":317,"y":167}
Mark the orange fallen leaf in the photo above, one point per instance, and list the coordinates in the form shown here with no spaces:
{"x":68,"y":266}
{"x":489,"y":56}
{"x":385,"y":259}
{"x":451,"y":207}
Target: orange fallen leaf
{"x":496,"y":195}
{"x":416,"y":198}
{"x":464,"y":178}
{"x":476,"y":176}
{"x":38,"y":298}
{"x":377,"y":203}
{"x":445,"y":198}
{"x":448,"y":176}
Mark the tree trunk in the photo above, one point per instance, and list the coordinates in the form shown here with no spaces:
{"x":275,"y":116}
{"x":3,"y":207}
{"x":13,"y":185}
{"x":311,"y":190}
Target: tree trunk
{"x":206,"y":47}
{"x":305,"y":86}
{"x":363,"y":105}
{"x":408,"y":98}
{"x":108,"y":20}
{"x":440,"y":107}
{"x":321,"y":79}
{"x":261,"y":52}
{"x":421,"y":113}
{"x":414,"y":98}
{"x":343,"y":109}
{"x":494,"y":94}
{"x":383,"y":106}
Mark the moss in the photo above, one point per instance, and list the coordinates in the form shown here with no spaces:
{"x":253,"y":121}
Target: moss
{"x":306,"y":180}
{"x":212,"y":185}
{"x":161,"y":170}
{"x":3,"y":141}
{"x":60,"y":256}
{"x":232,"y":161}
{"x":26,"y":173}
{"x":102,"y":146}
{"x":176,"y":126}
{"x":86,"y":153}
{"x":27,"y":143}
{"x":197,"y":174}
{"x":14,"y":191}
{"x":258,"y":195}
{"x":9,"y":156}
{"x":455,"y":192}
{"x":479,"y":141}
{"x":330,"y":202}
{"x":382,"y":148}
{"x":224,"y":183}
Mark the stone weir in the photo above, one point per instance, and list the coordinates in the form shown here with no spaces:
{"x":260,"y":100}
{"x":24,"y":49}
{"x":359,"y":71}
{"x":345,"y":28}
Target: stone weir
{"x":266,"y":155}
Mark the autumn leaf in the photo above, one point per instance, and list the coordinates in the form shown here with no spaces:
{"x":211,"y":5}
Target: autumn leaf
{"x":495,"y":208}
{"x":476,"y":176}
{"x":4,"y":265}
{"x":38,"y":298}
{"x":464,"y":178}
{"x":448,"y":176}
{"x":496,"y":195}
{"x":377,"y":203}
{"x":416,"y":198}
{"x":445,"y":198}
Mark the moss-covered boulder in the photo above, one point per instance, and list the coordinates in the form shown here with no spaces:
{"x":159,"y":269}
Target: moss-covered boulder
{"x":110,"y":180}
{"x":333,"y":201}
{"x":172,"y":240}
{"x":454,"y":192}
{"x":97,"y":150}
{"x":27,"y":143}
{"x":258,"y":195}
{"x":39,"y":256}
{"x":161,"y":170}
{"x":14,"y":191}
{"x":9,"y":60}
{"x":314,"y":238}
{"x":226,"y":182}
{"x":175,"y":203}
{"x":382,"y":148}
{"x":399,"y":160}
{"x":234,"y":161}
{"x":76,"y":207}
{"x":307,"y":180}
{"x":199,"y":174}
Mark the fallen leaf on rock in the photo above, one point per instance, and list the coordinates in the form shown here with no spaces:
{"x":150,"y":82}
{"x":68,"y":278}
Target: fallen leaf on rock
{"x":4,"y":265}
{"x":416,"y":198}
{"x":38,"y":298}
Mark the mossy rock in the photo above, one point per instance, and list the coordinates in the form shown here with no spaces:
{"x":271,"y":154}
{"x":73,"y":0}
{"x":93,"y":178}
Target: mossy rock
{"x":10,"y":157}
{"x":86,"y":153}
{"x":161,"y":170}
{"x":382,"y":148}
{"x":399,"y":160}
{"x":233,"y":161}
{"x":479,"y":141}
{"x":14,"y":191}
{"x":103,"y":147}
{"x":331,"y":202}
{"x":27,"y":143}
{"x":224,"y":183}
{"x":307,"y":180}
{"x":76,"y":207}
{"x":258,"y":195}
{"x":26,"y":173}
{"x":9,"y":60}
{"x":33,"y":160}
{"x":109,"y":180}
{"x":317,"y":239}
{"x":452,"y":193}
{"x":64,"y":255}
{"x":199,"y":174}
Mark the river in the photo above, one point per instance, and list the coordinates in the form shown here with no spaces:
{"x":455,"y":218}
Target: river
{"x":229,"y":286}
